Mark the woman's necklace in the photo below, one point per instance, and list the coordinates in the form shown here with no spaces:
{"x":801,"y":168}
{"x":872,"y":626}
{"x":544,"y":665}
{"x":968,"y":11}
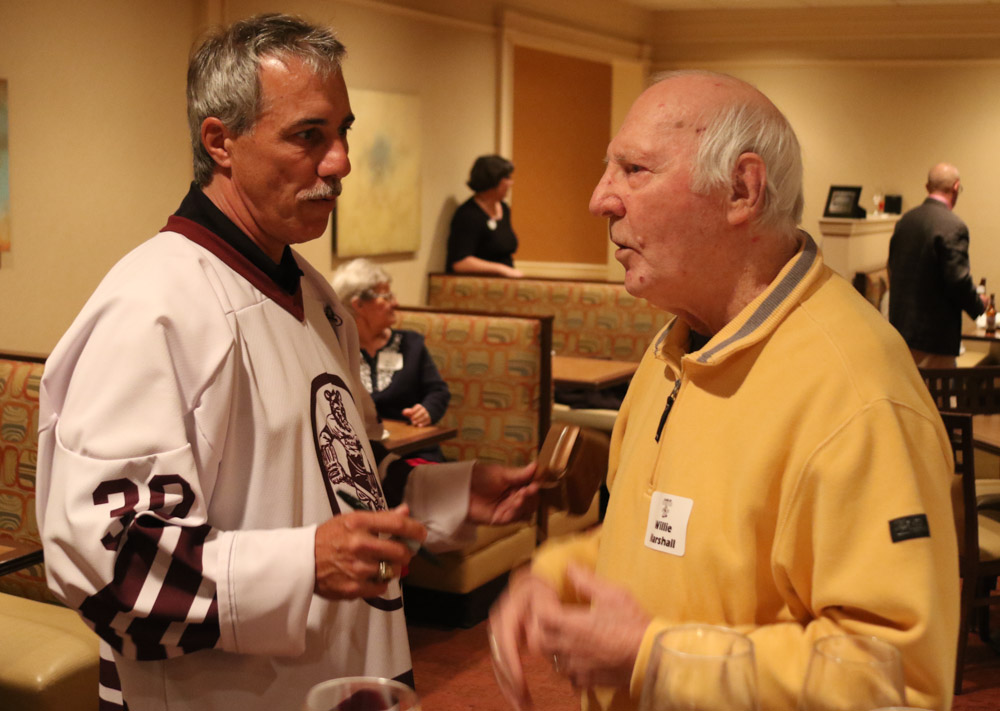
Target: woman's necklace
{"x":494,"y":211}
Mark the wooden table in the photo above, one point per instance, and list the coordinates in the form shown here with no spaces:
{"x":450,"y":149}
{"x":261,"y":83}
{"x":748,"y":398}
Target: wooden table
{"x":980,"y":334}
{"x":596,"y":373}
{"x":404,"y":437}
{"x":15,"y":555}
{"x":986,"y":432}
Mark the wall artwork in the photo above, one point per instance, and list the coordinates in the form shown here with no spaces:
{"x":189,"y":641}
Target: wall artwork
{"x":379,"y":210}
{"x":4,"y":173}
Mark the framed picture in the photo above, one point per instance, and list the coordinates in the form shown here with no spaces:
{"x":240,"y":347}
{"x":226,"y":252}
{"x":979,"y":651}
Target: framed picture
{"x":843,"y":201}
{"x":379,"y":211}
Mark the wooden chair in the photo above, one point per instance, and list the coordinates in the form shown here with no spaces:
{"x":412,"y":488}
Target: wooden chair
{"x":978,"y":540}
{"x":977,"y":392}
{"x":972,"y":390}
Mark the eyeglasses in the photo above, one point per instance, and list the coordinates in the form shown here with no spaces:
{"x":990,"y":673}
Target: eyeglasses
{"x":387,"y":295}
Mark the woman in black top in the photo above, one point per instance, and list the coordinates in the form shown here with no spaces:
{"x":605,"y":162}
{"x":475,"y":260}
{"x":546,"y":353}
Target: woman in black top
{"x":396,"y":367}
{"x":481,"y":239}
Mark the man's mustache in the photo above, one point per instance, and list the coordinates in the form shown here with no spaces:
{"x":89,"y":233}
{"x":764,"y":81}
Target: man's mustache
{"x":324,"y":191}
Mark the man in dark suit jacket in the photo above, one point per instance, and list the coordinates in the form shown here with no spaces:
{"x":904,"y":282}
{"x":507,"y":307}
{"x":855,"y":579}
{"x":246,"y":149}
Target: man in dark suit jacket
{"x":929,"y":280}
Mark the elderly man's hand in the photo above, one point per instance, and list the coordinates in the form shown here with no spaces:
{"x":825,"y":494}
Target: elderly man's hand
{"x":594,"y":643}
{"x":350,"y":547}
{"x":509,"y":618}
{"x":501,"y":494}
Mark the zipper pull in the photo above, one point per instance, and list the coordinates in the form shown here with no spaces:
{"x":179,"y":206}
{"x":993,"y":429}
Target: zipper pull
{"x":666,"y":409}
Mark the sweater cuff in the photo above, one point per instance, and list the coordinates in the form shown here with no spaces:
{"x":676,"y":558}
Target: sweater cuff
{"x":642,"y":658}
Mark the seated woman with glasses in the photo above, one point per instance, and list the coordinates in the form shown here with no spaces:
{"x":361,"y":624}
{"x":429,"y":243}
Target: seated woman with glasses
{"x":396,"y":367}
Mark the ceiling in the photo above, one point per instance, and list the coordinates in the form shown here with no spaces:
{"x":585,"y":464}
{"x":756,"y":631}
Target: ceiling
{"x":761,"y":4}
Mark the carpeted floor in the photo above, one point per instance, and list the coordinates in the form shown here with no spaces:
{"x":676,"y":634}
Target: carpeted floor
{"x":453,"y":673}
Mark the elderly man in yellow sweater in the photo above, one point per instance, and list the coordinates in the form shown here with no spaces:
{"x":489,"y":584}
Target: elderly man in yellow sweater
{"x":777,"y":466}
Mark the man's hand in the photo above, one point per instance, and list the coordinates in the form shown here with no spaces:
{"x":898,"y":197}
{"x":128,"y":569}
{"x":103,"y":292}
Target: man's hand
{"x":417,"y":415}
{"x":501,"y":494}
{"x":509,"y":619}
{"x":594,"y":643}
{"x":349,"y":548}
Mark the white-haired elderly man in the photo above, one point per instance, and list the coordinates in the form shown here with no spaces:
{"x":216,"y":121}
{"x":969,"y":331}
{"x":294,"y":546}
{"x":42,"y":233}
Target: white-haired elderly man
{"x":204,"y":438}
{"x":777,"y":466}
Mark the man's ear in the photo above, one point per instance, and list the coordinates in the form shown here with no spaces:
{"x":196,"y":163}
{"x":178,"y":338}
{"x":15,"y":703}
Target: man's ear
{"x":215,"y":138}
{"x":748,"y":189}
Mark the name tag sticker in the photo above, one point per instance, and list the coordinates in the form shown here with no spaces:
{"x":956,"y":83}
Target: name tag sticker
{"x":909,"y":527}
{"x":666,"y":530}
{"x":390,"y":360}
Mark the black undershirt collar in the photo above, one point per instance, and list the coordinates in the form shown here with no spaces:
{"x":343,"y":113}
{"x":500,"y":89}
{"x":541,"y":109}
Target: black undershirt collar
{"x":197,"y":207}
{"x":697,"y":341}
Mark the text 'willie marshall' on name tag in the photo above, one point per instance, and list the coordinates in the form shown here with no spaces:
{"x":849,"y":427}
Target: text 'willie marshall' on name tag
{"x":666,"y":530}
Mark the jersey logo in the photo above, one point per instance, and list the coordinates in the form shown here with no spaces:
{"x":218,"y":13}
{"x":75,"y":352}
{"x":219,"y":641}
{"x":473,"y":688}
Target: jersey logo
{"x":332,"y":317}
{"x":342,"y":459}
{"x":341,"y":455}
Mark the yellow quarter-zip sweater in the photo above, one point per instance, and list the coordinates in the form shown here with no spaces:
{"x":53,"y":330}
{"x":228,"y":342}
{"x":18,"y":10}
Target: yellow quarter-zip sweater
{"x":801,"y":437}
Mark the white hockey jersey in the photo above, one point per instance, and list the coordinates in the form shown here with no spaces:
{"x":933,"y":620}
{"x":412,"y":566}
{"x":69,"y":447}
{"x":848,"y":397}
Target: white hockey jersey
{"x":196,"y":422}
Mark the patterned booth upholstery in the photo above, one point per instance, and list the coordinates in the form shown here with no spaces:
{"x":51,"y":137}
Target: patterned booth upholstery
{"x":19,"y":385}
{"x":593,"y":319}
{"x":500,"y":376}
{"x":499,"y":370}
{"x":49,"y":657}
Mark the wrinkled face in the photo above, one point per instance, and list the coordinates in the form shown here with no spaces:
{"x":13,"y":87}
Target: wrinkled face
{"x":377,"y":311}
{"x":286,"y":172}
{"x":665,"y":234}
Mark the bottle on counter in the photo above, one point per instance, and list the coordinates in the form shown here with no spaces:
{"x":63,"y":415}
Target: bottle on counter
{"x":981,"y":290}
{"x":991,"y":315}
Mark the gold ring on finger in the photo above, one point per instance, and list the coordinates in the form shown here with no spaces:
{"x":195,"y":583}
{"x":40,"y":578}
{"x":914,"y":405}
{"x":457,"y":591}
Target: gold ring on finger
{"x":385,"y":572}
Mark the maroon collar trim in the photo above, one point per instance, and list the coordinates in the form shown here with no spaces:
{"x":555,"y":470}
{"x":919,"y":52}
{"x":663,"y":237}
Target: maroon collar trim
{"x":292,"y":303}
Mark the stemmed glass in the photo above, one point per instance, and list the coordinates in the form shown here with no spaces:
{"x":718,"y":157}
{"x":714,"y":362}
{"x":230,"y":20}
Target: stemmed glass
{"x":700,"y":668}
{"x":852,"y":673}
{"x":361,"y":693}
{"x":879,"y":199}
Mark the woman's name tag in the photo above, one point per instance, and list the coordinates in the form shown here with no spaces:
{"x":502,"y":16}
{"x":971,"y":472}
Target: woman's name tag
{"x":391,"y":361}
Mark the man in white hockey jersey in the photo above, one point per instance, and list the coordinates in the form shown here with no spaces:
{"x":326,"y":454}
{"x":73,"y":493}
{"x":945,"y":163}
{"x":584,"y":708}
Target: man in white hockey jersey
{"x":203,"y":427}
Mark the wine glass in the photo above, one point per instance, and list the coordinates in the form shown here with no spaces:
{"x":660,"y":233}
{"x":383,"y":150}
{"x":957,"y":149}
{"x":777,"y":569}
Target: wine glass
{"x":879,"y":199}
{"x":852,"y":673}
{"x":361,"y":693}
{"x":700,"y":668}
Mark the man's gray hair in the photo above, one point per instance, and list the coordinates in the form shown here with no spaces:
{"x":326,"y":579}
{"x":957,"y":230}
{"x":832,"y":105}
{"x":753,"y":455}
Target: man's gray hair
{"x":744,"y":126}
{"x":223,"y":73}
{"x":358,"y":277}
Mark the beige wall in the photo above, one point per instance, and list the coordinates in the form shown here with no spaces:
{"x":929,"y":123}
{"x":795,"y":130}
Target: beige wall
{"x":98,"y":148}
{"x":99,"y":153}
{"x":876,"y":94}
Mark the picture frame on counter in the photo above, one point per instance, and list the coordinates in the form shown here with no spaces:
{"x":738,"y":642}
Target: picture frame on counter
{"x":842,"y":201}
